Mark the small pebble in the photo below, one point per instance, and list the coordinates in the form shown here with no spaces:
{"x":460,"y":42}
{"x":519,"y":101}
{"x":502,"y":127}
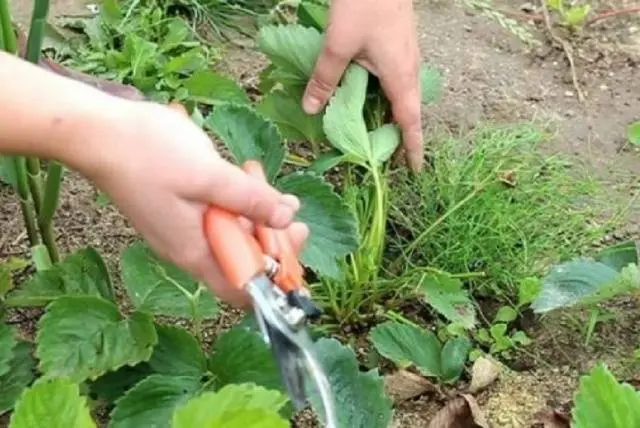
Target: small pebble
{"x":568,"y":93}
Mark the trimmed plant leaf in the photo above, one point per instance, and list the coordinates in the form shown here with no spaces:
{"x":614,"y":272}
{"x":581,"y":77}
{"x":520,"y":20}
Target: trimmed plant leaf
{"x":285,"y":110}
{"x":84,"y":337}
{"x":8,"y":341}
{"x":407,"y":345}
{"x":332,"y":226}
{"x":82,"y":273}
{"x":384,"y":141}
{"x":601,"y":401}
{"x":453,"y":357}
{"x":447,"y":296}
{"x":248,"y":135}
{"x":152,"y":401}
{"x":633,"y":133}
{"x":208,"y":87}
{"x":233,"y":406}
{"x":241,"y":355}
{"x":19,"y":376}
{"x":620,"y":255}
{"x":360,"y":397}
{"x":112,"y":385}
{"x":177,"y":353}
{"x":343,"y":121}
{"x":52,"y":403}
{"x":162,"y":288}
{"x":430,"y":84}
{"x":293,"y":50}
{"x":570,"y":283}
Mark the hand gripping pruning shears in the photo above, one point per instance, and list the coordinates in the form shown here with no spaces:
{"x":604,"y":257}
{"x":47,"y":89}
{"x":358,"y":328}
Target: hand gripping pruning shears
{"x":266,"y":266}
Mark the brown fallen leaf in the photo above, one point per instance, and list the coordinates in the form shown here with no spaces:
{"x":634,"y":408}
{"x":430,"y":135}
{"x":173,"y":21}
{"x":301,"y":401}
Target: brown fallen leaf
{"x":461,"y":412}
{"x":404,"y":385}
{"x":483,"y":373}
{"x":553,"y":419}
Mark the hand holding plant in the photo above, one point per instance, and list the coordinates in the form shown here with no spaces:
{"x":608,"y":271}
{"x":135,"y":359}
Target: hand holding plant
{"x":380,"y":36}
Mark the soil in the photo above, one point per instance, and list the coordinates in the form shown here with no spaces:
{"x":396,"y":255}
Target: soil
{"x":491,"y":75}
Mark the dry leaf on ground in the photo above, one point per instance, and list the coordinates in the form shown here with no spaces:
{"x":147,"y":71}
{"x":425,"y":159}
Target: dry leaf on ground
{"x":483,"y":373}
{"x":404,"y":385}
{"x":553,"y":419}
{"x":461,"y":412}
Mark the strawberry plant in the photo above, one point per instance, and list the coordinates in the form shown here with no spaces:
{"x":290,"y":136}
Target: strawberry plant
{"x":90,"y":351}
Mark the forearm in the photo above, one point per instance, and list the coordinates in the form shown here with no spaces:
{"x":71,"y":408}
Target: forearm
{"x":49,"y":116}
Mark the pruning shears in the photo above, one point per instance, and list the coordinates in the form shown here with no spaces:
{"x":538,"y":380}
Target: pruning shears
{"x":265,"y":264}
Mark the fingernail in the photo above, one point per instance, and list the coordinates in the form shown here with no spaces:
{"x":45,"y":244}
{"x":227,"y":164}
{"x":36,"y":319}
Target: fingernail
{"x":290,"y":200}
{"x":311,"y":104}
{"x":282,"y":216}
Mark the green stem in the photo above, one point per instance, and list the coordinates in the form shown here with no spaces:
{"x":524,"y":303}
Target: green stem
{"x":28,"y":213}
{"x":48,"y":208}
{"x":7,"y":35}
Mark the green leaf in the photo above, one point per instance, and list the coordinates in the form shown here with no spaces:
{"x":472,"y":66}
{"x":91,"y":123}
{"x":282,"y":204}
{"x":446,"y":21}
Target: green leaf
{"x":633,"y":133}
{"x":620,"y":255}
{"x":326,"y":161}
{"x":528,"y":290}
{"x":8,"y":341}
{"x":576,"y":15}
{"x":360,"y":397}
{"x":8,"y":172}
{"x":430,"y":84}
{"x":187,"y":62}
{"x":447,"y":296}
{"x":208,"y":87}
{"x":234,"y":406}
{"x":333,"y":232}
{"x":162,"y":288}
{"x":285,"y":110}
{"x":569,"y":283}
{"x":112,"y":385}
{"x":343,"y":121}
{"x":82,"y":273}
{"x":248,"y":136}
{"x":601,"y":401}
{"x":241,"y":355}
{"x":152,"y":401}
{"x":313,"y":15}
{"x":384,"y":141}
{"x":18,"y":377}
{"x":408,"y":345}
{"x":177,"y":353}
{"x":453,"y":357}
{"x":293,"y":49}
{"x":506,"y":314}
{"x":6,"y":273}
{"x":52,"y":403}
{"x":83,"y":337}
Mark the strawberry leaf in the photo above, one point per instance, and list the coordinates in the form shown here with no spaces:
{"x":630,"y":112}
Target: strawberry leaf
{"x":84,"y":337}
{"x":19,"y":376}
{"x":360,"y":399}
{"x":52,"y":403}
{"x":161,"y":288}
{"x":152,"y":401}
{"x":601,"y":401}
{"x":408,"y":345}
{"x":83,"y":273}
{"x":177,"y":353}
{"x":248,"y":135}
{"x":234,"y":406}
{"x":332,"y":226}
{"x":447,"y":296}
{"x":8,"y":341}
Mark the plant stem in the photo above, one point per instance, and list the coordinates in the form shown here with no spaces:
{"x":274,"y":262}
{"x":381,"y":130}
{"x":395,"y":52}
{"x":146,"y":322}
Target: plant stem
{"x":8,"y":36}
{"x":48,"y":208}
{"x":28,"y":213}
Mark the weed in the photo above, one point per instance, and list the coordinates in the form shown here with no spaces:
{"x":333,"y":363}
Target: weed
{"x":492,"y":206}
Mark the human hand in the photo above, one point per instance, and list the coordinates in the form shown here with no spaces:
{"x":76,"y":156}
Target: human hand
{"x":379,"y":35}
{"x":162,"y":172}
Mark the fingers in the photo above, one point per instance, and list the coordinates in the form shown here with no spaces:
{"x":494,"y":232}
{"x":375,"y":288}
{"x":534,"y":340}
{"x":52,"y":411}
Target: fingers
{"x":403,"y":91}
{"x":230,"y":188}
{"x":329,"y":68}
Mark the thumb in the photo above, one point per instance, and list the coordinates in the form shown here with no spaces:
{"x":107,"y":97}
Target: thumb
{"x":330,"y":66}
{"x":231,"y":188}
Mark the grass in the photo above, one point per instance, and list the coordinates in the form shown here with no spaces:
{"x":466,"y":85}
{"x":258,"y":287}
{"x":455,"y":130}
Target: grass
{"x":494,"y":206}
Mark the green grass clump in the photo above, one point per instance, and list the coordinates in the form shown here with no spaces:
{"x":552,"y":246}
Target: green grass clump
{"x":493,"y":205}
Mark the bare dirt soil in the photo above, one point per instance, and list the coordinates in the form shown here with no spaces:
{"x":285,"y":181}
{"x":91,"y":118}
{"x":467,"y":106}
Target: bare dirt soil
{"x":490,"y":75}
